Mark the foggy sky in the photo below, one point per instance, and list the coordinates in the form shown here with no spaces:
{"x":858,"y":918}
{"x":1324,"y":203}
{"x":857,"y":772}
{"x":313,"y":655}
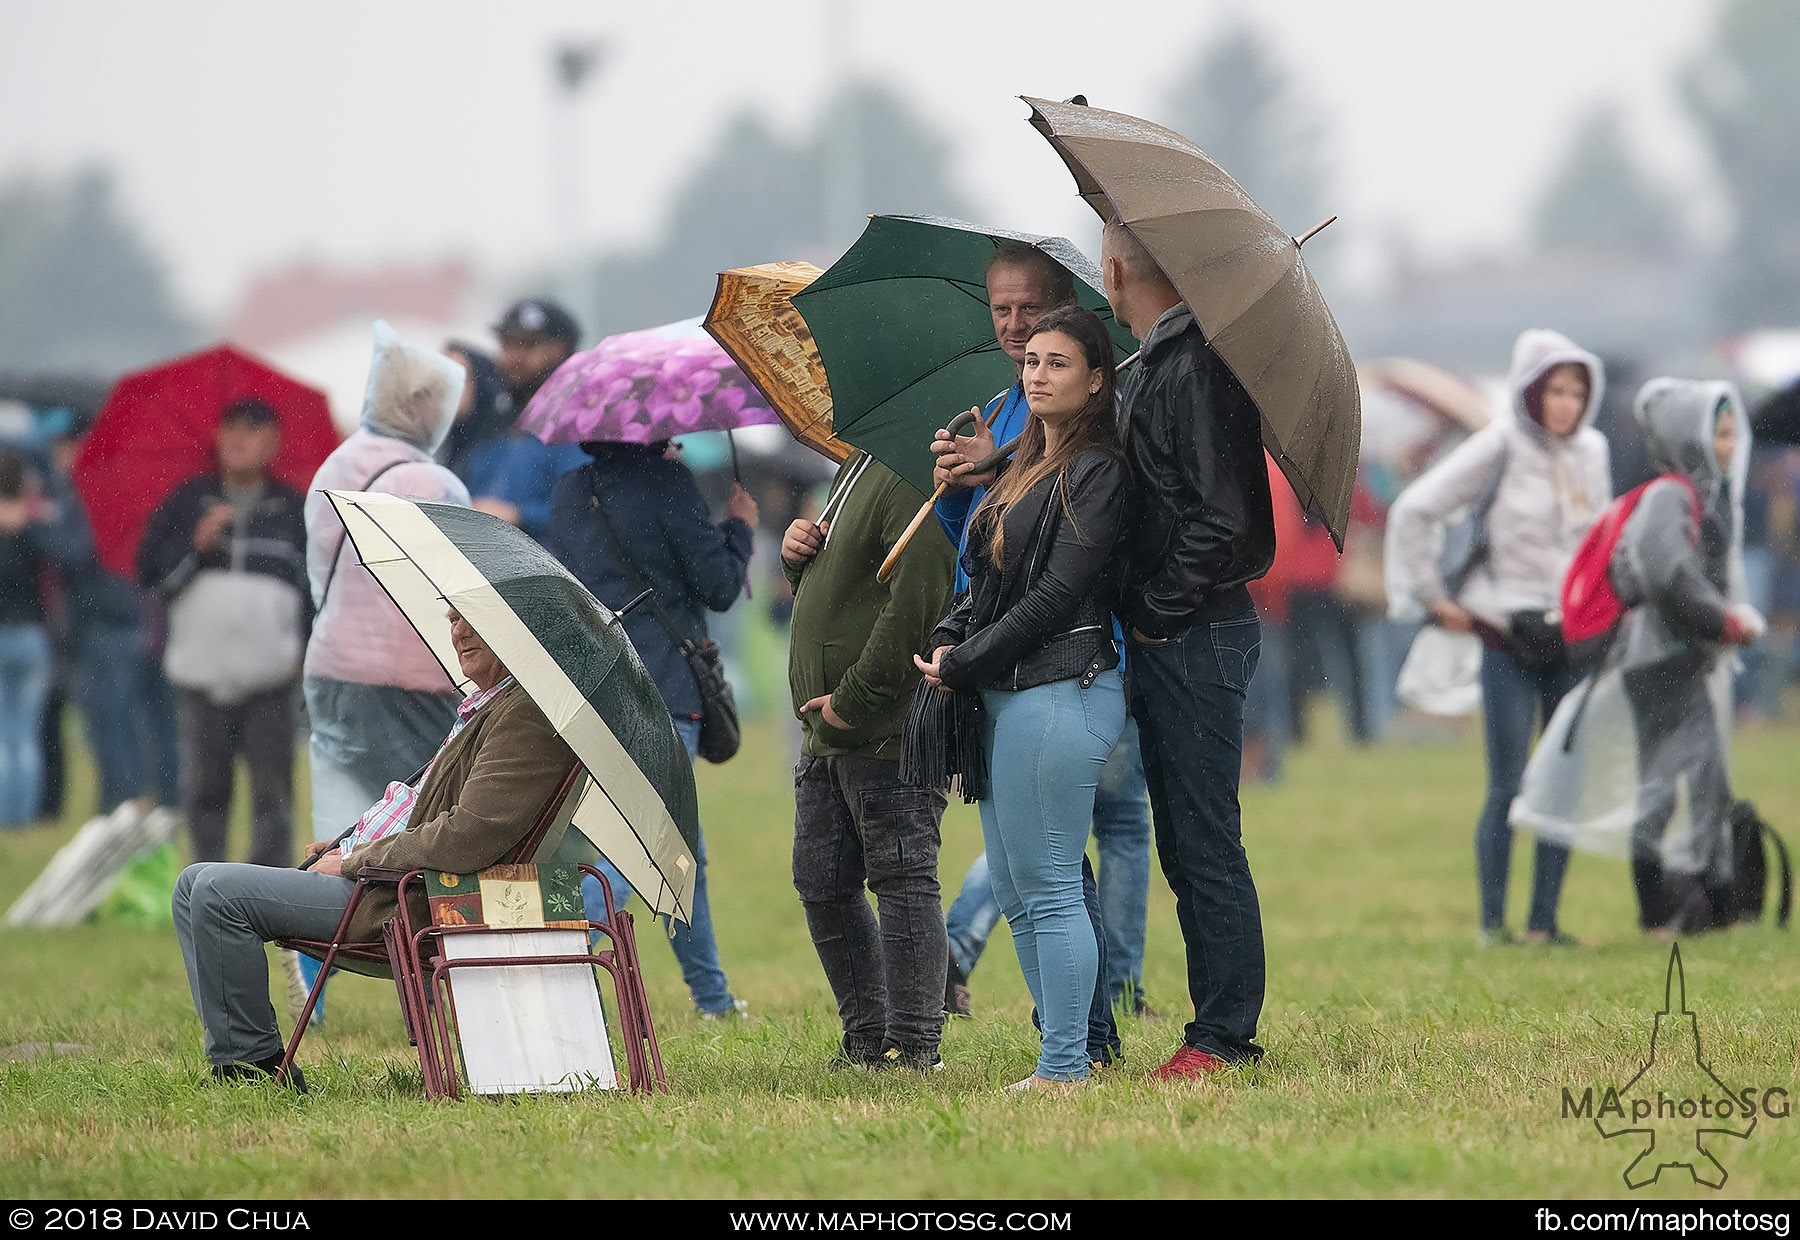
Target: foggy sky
{"x":248,"y":136}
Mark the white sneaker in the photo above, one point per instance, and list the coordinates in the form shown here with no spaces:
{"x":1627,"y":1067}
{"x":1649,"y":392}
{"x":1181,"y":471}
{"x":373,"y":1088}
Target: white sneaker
{"x":740,"y":1009}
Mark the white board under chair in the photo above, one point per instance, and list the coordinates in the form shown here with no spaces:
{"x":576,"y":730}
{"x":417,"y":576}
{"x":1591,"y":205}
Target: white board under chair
{"x":522,"y":1028}
{"x":529,"y":1028}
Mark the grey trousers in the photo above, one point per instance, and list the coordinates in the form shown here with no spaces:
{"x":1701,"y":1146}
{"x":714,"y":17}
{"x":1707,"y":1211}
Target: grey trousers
{"x":224,"y":912}
{"x":855,"y":823}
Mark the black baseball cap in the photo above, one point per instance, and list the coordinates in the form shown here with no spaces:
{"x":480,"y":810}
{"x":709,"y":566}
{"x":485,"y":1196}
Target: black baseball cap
{"x":539,"y":317}
{"x":252,"y":410}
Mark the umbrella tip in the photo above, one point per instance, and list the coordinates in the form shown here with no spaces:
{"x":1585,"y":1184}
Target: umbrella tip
{"x":1079,"y":101}
{"x":641,"y":598}
{"x":1314,"y":231}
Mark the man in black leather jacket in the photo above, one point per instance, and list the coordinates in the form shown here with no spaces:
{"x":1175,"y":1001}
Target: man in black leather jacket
{"x":1199,"y":528}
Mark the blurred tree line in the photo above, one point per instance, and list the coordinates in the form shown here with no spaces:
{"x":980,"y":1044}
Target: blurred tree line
{"x":82,"y":288}
{"x":758,"y":197}
{"x":1742,"y":94}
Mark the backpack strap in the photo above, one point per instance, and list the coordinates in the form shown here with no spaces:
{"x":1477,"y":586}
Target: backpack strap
{"x":1483,"y":546}
{"x":338,"y":555}
{"x":1785,"y":906}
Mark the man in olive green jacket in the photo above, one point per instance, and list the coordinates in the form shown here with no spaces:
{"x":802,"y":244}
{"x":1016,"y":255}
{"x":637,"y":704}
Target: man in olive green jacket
{"x":851,"y":672}
{"x":480,"y":796}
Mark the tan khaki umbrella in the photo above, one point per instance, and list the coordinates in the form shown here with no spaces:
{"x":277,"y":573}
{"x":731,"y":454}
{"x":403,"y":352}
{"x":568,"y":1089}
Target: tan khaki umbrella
{"x":1244,"y":279}
{"x":754,"y":320}
{"x":1436,"y":389}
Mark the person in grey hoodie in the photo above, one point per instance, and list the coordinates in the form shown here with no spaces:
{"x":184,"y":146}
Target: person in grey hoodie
{"x":1543,"y":477}
{"x":1685,"y":577}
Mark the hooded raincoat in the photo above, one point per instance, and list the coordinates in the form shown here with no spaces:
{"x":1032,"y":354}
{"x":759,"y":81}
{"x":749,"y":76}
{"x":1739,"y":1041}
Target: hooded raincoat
{"x":378,"y":701}
{"x":1635,"y":760}
{"x":1551,"y":489}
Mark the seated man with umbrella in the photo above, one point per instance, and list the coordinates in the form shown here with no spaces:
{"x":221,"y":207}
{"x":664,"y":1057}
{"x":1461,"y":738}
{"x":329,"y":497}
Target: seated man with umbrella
{"x":550,"y":680}
{"x":477,"y":798}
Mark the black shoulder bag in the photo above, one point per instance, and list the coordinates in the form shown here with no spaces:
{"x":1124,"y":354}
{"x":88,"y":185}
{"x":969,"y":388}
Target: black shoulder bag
{"x":720,"y":734}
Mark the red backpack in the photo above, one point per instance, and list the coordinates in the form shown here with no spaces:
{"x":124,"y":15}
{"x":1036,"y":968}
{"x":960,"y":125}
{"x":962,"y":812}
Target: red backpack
{"x":1590,"y":604}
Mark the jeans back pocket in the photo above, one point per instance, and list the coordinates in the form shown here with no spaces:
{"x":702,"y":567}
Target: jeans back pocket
{"x":1237,"y":645}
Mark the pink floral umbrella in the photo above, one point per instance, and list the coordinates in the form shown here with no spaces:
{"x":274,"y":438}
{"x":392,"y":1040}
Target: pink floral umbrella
{"x":642,"y":386}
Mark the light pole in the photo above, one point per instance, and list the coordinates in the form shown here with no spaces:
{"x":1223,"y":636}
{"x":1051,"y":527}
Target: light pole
{"x":841,"y":190}
{"x":572,"y":65}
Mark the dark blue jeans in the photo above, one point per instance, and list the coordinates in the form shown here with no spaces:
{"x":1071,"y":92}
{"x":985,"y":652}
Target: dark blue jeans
{"x":696,"y":950}
{"x":1515,"y":701}
{"x":128,"y":708}
{"x":1187,"y":694}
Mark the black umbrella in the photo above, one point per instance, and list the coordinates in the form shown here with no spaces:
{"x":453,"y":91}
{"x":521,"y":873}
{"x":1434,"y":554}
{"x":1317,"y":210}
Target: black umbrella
{"x":1777,"y":419}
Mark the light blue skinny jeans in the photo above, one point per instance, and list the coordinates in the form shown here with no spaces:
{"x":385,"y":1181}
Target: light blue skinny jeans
{"x":1046,"y":748}
{"x":1122,"y":840}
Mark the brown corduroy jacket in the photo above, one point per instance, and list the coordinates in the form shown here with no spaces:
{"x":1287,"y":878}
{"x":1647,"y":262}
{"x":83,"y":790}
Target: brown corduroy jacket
{"x":484,"y":793}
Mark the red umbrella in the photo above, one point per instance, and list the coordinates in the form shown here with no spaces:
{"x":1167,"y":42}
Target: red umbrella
{"x":157,"y":429}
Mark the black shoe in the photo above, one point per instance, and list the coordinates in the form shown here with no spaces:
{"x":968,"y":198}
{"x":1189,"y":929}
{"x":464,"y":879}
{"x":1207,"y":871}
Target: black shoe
{"x":859,"y":1059}
{"x":919,"y":1061}
{"x":1130,"y":1000}
{"x":261,"y":1070}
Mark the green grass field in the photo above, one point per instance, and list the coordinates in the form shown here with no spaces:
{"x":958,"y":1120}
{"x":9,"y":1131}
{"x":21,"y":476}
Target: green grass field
{"x":1402,"y":1060}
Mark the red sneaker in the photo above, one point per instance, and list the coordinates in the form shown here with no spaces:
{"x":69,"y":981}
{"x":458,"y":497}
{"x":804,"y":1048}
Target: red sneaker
{"x":1190,"y":1063}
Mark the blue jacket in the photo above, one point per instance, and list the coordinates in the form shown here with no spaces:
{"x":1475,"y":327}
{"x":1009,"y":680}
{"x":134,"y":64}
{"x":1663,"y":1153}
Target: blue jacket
{"x":521,"y":469}
{"x":662,"y":523}
{"x":954,"y":508}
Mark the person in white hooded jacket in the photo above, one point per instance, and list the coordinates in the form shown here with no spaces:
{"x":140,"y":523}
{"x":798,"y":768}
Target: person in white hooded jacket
{"x":377,"y":700}
{"x":1542,"y":474}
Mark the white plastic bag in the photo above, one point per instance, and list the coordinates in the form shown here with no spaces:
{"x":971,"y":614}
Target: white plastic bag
{"x":233,"y":634}
{"x":1442,"y":672}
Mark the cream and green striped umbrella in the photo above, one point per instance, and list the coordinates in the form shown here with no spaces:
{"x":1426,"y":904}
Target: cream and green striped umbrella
{"x":569,"y":652}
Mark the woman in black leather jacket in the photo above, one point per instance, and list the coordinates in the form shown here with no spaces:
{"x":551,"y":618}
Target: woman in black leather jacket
{"x":1033,"y":636}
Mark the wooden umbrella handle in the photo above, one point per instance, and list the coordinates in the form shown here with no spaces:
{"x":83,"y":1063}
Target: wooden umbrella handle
{"x":960,"y":422}
{"x":981,"y":467}
{"x":893,"y":557}
{"x":969,"y":418}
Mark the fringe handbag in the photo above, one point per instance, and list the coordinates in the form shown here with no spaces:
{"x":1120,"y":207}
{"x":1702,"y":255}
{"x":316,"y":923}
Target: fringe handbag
{"x":941,"y":743}
{"x":720,"y":734}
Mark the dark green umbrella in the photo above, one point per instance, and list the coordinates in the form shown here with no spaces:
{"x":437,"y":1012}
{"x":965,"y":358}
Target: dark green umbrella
{"x":903,"y":328}
{"x":566,"y":650}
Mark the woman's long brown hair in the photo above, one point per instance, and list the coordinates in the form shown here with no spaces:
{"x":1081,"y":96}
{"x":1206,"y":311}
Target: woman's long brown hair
{"x":1093,"y":426}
